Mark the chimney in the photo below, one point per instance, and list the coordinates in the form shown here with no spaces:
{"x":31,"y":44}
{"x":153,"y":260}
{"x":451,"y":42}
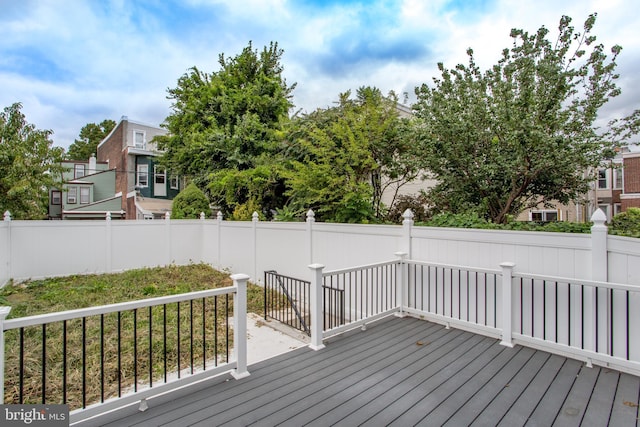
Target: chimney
{"x":92,"y":164}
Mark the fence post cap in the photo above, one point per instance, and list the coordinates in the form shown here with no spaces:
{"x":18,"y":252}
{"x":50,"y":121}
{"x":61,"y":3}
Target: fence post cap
{"x":202,"y":217}
{"x":255,"y":217}
{"x":239,"y":277}
{"x":167,"y":216}
{"x":507,"y":264}
{"x":4,"y":311}
{"x":401,"y":254}
{"x":316,"y":266}
{"x":408,"y":214}
{"x":219,"y":216}
{"x":598,"y":218}
{"x":7,"y":216}
{"x":310,"y":214}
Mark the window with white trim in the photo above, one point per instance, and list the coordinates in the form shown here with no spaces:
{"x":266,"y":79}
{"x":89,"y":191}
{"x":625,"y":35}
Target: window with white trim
{"x":84,"y":195}
{"x":617,"y":208}
{"x":142,"y":176}
{"x":72,"y":195}
{"x":602,"y":179}
{"x":78,"y":171}
{"x":139,"y":140}
{"x":617,"y":178}
{"x":544,"y":215}
{"x":174,"y":182}
{"x":56,"y":197}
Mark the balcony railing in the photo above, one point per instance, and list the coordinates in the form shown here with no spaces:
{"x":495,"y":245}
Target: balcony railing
{"x":99,"y":358}
{"x":596,"y":322}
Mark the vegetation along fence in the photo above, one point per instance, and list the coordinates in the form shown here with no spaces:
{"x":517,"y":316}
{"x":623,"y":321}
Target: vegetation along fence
{"x":122,"y":353}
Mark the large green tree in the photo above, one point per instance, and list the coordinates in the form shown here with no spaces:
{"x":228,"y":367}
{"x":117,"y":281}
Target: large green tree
{"x":229,"y":122}
{"x":344,"y":158}
{"x":28,"y":165}
{"x":91,"y":135}
{"x":522,"y":132}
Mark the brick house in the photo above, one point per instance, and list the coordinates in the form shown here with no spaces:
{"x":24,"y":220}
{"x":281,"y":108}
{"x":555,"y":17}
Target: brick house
{"x":147,"y":187}
{"x":630,"y":197}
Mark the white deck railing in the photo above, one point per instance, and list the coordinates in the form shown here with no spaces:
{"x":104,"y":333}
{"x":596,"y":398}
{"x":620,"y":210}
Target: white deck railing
{"x":596,"y":322}
{"x":69,"y":359}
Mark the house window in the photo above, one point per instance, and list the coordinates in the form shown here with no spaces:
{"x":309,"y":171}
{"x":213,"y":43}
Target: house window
{"x":602,"y":179}
{"x":84,"y":195}
{"x":78,"y":171}
{"x":56,"y":197}
{"x":138,"y":140}
{"x":617,"y":208}
{"x":174,"y":182}
{"x":617,"y":179}
{"x":72,"y":194}
{"x":544,"y":216}
{"x":142,"y":177}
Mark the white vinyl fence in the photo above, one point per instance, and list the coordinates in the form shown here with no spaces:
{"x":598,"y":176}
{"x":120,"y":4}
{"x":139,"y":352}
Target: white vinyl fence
{"x":38,"y":249}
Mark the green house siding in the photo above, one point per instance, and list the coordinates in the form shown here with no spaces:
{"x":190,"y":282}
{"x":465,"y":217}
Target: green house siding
{"x":153,"y":177}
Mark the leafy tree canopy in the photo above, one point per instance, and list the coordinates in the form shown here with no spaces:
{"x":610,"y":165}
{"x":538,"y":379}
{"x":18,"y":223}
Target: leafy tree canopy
{"x":189,"y":203}
{"x":91,"y":135}
{"x":521,"y":132}
{"x":228,"y":121}
{"x":342,"y":159}
{"x":28,"y":165}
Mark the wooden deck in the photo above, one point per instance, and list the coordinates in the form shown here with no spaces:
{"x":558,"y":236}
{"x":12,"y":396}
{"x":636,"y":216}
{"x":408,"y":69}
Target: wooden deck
{"x":402,"y":372}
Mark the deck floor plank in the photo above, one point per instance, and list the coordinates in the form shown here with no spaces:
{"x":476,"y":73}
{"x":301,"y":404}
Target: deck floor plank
{"x":337,"y":397}
{"x":400,"y":371}
{"x":466,"y":414}
{"x":599,"y":408}
{"x":575,"y":405}
{"x":519,"y":413}
{"x":625,"y":403}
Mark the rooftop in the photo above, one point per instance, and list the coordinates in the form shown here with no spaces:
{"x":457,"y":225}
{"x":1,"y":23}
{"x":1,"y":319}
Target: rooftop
{"x":402,"y":371}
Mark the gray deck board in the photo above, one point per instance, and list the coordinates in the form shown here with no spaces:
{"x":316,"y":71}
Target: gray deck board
{"x":401,"y":371}
{"x":522,"y":409}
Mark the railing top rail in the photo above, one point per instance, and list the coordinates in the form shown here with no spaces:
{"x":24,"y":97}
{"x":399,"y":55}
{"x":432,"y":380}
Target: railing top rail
{"x":592,"y":283}
{"x":111,"y":308}
{"x":274,"y":272}
{"x":455,"y":267}
{"x":359,"y":267}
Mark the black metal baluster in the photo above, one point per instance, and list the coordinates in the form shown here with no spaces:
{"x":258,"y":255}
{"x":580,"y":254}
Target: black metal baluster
{"x":135,"y":349}
{"x":150,"y":347}
{"x":64,"y":361}
{"x":119,"y":355}
{"x":204,"y":335}
{"x":164,"y":340}
{"x":44,"y":362}
{"x":191,"y":334}
{"x":178,"y":335}
{"x":102,"y":357}
{"x":84,"y":362}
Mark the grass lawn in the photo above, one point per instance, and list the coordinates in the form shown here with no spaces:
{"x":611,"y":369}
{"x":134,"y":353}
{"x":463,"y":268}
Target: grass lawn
{"x":110,"y":341}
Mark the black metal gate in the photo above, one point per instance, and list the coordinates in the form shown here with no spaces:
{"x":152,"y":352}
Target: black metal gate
{"x":287,"y":300}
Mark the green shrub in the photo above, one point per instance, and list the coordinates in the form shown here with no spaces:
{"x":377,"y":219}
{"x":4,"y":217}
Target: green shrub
{"x":189,"y":203}
{"x":626,"y":223}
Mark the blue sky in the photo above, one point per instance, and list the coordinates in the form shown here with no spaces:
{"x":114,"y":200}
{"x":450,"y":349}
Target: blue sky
{"x":73,"y":62}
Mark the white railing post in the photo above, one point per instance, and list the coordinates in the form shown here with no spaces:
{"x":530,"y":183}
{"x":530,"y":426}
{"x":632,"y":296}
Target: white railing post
{"x":240,"y":325}
{"x":407,"y":225}
{"x":254,"y":219}
{"x":311,"y":218}
{"x":507,"y":321}
{"x":219,"y":246}
{"x":315,"y":301}
{"x":4,"y":312}
{"x":401,"y":284}
{"x":599,"y":273}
